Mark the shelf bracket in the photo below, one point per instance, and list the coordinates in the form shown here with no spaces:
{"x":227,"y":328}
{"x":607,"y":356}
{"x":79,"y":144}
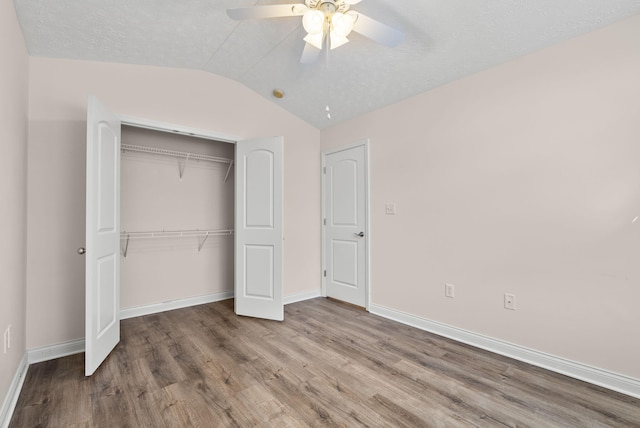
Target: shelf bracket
{"x":228,"y":171}
{"x":126,"y":246}
{"x":183,"y":165}
{"x":204,"y":239}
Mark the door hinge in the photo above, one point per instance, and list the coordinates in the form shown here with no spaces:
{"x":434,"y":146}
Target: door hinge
{"x":325,"y":273}
{"x":324,"y":221}
{"x":324,"y":170}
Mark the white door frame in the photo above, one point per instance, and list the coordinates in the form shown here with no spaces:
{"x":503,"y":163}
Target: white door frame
{"x":177,"y":129}
{"x":367,"y":228}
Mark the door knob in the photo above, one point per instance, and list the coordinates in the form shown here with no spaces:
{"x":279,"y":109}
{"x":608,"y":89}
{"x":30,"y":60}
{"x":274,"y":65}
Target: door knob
{"x":81,"y":250}
{"x":360,"y":235}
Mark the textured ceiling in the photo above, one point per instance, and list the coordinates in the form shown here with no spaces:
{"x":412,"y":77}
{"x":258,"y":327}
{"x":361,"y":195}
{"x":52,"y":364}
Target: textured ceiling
{"x":445,"y":40}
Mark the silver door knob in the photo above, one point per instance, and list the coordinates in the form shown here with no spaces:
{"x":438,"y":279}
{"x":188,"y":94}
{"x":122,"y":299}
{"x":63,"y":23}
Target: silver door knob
{"x":81,"y":251}
{"x":361,"y":234}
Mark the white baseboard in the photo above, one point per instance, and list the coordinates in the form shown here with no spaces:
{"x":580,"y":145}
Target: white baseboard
{"x":11,"y":399}
{"x":155,"y":308}
{"x":200,"y":300}
{"x":299,"y":297}
{"x":614,"y":381}
{"x":71,"y":347}
{"x":51,"y":352}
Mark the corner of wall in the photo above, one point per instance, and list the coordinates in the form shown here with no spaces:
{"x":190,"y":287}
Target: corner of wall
{"x":14,"y":83}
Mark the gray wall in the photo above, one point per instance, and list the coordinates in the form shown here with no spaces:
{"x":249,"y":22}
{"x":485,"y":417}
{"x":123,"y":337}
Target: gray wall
{"x":522,"y":179}
{"x":14,"y":72}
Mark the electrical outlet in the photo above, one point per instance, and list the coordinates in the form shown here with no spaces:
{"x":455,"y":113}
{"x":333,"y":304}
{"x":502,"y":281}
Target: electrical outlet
{"x":9,"y":337}
{"x":510,"y":301}
{"x":449,"y":290}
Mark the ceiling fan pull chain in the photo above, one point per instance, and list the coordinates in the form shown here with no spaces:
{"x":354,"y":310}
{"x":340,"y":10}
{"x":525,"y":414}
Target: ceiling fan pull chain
{"x":327,"y":74}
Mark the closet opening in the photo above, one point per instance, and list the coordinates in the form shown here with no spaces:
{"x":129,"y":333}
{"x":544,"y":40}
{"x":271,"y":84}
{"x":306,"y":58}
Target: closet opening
{"x":176,"y":219}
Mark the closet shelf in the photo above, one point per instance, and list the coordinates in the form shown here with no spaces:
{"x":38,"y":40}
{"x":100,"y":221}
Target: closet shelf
{"x":197,"y":233}
{"x":184,"y":156}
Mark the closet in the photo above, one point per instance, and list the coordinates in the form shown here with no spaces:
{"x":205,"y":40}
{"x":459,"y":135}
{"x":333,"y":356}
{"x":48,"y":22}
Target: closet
{"x":177,"y":217}
{"x":166,"y":216}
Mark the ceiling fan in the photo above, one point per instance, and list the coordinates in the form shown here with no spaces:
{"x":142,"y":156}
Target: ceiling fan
{"x":325,"y":21}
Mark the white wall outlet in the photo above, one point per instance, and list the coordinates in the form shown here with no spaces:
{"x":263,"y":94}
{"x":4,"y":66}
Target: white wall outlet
{"x":390,"y":209}
{"x":449,"y":290}
{"x":510,"y":301}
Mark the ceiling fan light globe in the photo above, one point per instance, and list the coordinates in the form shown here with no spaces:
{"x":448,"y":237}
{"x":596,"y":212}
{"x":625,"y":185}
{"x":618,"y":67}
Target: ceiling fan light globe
{"x":337,"y":40}
{"x":353,"y":17}
{"x":313,"y":21}
{"x":314,"y":40}
{"x":342,"y":24}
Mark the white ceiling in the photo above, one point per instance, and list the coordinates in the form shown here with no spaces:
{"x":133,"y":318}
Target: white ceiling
{"x":445,"y":40}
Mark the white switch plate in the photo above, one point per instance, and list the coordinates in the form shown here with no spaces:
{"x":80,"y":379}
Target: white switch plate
{"x":449,"y":290}
{"x":390,"y":209}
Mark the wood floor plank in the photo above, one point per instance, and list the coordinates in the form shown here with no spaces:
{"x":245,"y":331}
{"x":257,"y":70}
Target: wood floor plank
{"x":327,"y":364}
{"x":173,"y":411}
{"x":73,"y":406}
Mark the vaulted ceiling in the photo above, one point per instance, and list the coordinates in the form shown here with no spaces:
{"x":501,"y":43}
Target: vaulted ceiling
{"x":444,"y":40}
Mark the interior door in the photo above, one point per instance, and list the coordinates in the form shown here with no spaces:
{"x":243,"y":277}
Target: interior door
{"x":345,"y":204}
{"x":259,"y":230}
{"x":102,"y":283}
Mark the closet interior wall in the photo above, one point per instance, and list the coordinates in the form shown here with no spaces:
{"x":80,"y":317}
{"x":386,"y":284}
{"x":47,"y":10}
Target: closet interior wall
{"x":155,"y":198}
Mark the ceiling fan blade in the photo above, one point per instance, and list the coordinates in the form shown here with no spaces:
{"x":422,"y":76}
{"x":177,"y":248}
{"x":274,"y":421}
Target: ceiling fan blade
{"x":375,"y":30}
{"x":269,"y":11}
{"x":352,"y":2}
{"x":310,"y":54}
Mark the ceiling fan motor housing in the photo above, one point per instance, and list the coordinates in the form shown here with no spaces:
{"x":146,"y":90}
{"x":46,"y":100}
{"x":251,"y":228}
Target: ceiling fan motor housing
{"x":328,"y":7}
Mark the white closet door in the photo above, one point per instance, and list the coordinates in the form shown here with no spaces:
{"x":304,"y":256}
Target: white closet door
{"x":259,"y":231}
{"x":102,"y":321}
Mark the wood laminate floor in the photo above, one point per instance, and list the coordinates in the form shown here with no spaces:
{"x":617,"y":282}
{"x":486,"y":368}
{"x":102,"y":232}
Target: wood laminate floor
{"x":327,"y":364}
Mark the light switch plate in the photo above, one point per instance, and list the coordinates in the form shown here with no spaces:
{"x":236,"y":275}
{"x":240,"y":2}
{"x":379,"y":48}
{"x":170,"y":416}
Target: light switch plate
{"x":390,"y":209}
{"x":449,"y":290}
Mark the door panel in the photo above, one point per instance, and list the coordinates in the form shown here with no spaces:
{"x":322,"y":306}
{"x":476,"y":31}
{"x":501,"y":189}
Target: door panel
{"x":259,"y":189}
{"x":102,"y":282}
{"x":345,"y":202}
{"x":344,"y":263}
{"x":108,"y":151}
{"x":259,"y":271}
{"x":106,"y":304}
{"x":259,"y":230}
{"x":344,"y":206}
